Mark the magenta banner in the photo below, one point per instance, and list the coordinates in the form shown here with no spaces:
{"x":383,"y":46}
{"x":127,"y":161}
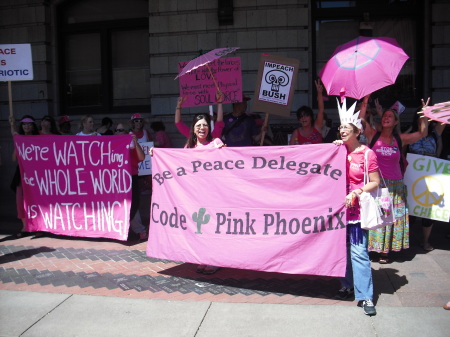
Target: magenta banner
{"x":76,"y":186}
{"x":199,"y":88}
{"x":275,"y":209}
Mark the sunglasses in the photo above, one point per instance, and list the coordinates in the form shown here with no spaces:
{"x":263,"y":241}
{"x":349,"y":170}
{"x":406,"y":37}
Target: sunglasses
{"x":120,"y":130}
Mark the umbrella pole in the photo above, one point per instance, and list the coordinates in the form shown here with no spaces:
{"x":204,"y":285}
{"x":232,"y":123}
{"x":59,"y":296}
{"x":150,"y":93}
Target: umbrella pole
{"x":214,"y":79}
{"x":264,"y":127}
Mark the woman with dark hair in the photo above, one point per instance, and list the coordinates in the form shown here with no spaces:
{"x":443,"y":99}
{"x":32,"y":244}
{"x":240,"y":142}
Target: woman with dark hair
{"x":200,"y":136}
{"x":160,"y":137}
{"x":27,"y":127}
{"x":431,"y":145}
{"x":310,"y":130}
{"x":105,"y":128}
{"x":219,"y":124}
{"x":48,"y":126}
{"x":387,"y":145}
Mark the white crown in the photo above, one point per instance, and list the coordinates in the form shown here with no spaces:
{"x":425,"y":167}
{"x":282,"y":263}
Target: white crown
{"x":347,"y":116}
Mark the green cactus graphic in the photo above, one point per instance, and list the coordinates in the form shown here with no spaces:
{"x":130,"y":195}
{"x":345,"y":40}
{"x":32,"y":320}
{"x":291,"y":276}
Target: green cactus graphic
{"x":200,"y":219}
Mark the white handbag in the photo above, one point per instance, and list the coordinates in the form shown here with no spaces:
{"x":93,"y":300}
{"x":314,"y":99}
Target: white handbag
{"x":376,"y":207}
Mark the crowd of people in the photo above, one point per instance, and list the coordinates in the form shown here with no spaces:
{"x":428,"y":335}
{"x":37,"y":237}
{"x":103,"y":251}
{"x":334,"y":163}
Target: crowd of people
{"x":382,"y":143}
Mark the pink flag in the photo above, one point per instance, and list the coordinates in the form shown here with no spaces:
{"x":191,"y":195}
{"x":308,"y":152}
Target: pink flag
{"x":77,"y":186}
{"x":277,"y":209}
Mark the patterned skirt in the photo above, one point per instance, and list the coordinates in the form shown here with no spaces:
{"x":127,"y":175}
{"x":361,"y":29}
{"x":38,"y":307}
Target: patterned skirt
{"x":396,"y":236}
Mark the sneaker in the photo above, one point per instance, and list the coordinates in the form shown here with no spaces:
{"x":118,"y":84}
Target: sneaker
{"x":369,"y":308}
{"x":344,"y":293}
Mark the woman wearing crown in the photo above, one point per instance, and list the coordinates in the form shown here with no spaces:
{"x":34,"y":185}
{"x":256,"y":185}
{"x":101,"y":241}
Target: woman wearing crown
{"x":358,"y":276}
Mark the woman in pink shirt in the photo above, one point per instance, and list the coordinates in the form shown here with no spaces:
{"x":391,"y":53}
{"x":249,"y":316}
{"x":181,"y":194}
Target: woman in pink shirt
{"x":386,"y":146}
{"x":358,"y":274}
{"x":218,"y":126}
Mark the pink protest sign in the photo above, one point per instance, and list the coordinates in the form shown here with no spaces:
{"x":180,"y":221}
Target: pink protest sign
{"x":199,"y":88}
{"x":76,"y":186}
{"x":275,"y":209}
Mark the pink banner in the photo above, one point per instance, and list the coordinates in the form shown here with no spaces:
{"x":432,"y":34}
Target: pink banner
{"x":199,"y":88}
{"x":276,"y":209}
{"x":77,"y":186}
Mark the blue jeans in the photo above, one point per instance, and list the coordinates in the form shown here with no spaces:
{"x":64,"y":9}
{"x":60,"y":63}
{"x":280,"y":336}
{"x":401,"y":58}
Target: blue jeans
{"x":358,"y":274}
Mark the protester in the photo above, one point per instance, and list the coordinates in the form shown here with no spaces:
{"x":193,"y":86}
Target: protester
{"x":329,"y":132}
{"x":218,"y":125}
{"x":387,"y":145}
{"x":358,"y":275}
{"x":240,"y":129}
{"x":201,"y":137}
{"x":105,"y":128}
{"x":87,"y":126}
{"x":431,"y":145}
{"x":136,"y":157}
{"x":48,"y":126}
{"x":310,"y":130}
{"x":137,"y":128}
{"x":120,"y":130}
{"x":161,"y":138}
{"x":27,"y":127}
{"x":65,"y":125}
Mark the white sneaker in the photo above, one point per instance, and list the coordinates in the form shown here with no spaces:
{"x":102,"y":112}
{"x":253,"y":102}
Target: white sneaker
{"x":369,"y":307}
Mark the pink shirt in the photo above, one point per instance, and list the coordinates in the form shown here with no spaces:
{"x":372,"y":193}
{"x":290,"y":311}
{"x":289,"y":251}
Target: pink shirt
{"x":388,"y":156}
{"x":185,"y":130}
{"x":162,"y":139}
{"x":314,"y":138}
{"x":355,"y":175}
{"x":214,"y":144}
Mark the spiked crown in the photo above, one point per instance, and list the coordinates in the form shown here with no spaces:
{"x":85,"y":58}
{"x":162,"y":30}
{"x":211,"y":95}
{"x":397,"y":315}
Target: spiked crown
{"x":348,"y":116}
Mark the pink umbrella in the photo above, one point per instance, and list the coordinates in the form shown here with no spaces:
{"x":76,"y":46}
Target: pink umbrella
{"x":439,"y":112}
{"x":362,"y":66}
{"x":206,"y":58}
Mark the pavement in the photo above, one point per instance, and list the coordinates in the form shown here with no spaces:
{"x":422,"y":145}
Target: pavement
{"x":64,"y":286}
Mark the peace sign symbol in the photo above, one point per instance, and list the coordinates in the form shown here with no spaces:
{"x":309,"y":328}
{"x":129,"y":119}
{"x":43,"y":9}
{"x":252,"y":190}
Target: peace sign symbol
{"x":427,"y":191}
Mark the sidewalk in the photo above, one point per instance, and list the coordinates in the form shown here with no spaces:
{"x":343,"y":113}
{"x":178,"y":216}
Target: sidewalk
{"x":62,"y":286}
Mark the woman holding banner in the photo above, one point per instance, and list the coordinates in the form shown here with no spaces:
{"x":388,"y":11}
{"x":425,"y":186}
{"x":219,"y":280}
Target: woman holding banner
{"x":200,"y":136}
{"x":388,"y":145}
{"x":27,"y":127}
{"x":358,"y":276}
{"x":218,"y":126}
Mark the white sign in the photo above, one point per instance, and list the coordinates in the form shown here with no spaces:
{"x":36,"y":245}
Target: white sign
{"x":145,"y":166}
{"x":428,"y":181}
{"x":276,"y":83}
{"x":16,"y":63}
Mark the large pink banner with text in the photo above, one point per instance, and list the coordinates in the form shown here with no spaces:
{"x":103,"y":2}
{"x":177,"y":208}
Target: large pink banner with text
{"x":275,"y":209}
{"x":76,"y":186}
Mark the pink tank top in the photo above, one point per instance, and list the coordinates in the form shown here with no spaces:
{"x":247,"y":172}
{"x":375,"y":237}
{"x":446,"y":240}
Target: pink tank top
{"x":315,"y":138}
{"x":388,"y":156}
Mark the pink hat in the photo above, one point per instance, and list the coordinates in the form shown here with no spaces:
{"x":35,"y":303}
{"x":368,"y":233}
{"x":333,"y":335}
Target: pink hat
{"x":27,"y":120}
{"x":136,"y":116}
{"x":64,"y":119}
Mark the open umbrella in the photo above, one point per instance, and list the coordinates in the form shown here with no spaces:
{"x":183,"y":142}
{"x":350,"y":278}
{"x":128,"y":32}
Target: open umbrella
{"x":439,"y":112}
{"x":362,"y":66}
{"x":206,"y":58}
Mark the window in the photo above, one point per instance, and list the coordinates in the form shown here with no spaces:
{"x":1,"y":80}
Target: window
{"x":104,"y":63}
{"x":337,"y":22}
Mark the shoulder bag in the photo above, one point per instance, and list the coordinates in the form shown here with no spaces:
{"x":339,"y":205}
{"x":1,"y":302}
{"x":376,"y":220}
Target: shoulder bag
{"x":376,"y":207}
